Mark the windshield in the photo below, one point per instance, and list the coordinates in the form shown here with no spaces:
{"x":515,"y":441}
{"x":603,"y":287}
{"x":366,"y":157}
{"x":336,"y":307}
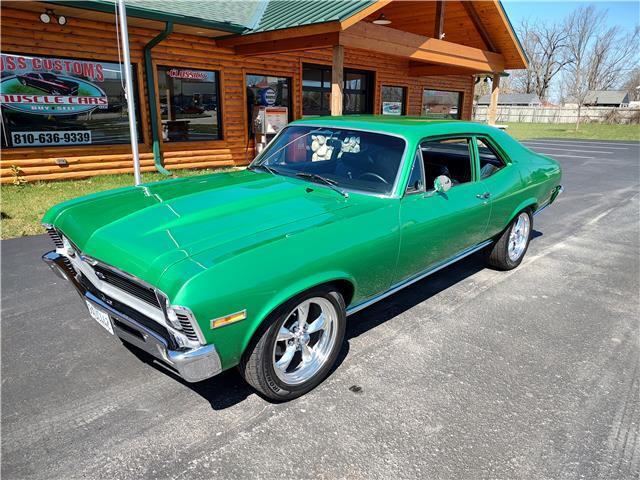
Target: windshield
{"x":349,"y":159}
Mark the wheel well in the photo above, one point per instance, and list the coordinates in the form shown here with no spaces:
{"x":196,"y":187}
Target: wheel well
{"x":346,"y":289}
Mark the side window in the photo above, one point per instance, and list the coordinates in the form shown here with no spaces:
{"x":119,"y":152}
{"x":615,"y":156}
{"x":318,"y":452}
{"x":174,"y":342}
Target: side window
{"x":450,"y":157}
{"x":490,"y":162}
{"x":416,"y":179}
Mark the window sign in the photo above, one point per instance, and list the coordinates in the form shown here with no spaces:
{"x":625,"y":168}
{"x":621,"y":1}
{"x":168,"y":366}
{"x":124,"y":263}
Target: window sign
{"x":393,"y":100}
{"x":441,"y":104}
{"x":48,"y":101}
{"x":189,"y":104}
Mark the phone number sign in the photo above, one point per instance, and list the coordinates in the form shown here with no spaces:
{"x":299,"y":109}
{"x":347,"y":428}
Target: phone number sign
{"x":40,"y":139}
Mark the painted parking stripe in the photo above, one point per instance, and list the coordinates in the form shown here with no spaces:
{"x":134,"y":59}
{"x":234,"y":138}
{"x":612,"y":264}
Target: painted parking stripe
{"x":570,"y":145}
{"x":637,"y":144}
{"x":569,"y":156}
{"x":560,"y":149}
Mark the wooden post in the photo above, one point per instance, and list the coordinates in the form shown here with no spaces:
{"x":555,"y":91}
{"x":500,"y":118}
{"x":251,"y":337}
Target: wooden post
{"x":493,"y":105}
{"x":337,"y":82}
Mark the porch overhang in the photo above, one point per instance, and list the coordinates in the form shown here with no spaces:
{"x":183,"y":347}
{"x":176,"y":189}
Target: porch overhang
{"x":428,"y":56}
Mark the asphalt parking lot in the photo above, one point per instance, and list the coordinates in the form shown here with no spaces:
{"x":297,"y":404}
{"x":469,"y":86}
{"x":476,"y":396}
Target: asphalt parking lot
{"x":469,"y":374}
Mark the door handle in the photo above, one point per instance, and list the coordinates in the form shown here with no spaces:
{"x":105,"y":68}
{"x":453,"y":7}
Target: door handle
{"x":483,"y":196}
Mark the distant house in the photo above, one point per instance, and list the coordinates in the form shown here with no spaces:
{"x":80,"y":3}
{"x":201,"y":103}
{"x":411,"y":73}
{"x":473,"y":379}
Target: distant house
{"x":603,"y":98}
{"x":513,"y":99}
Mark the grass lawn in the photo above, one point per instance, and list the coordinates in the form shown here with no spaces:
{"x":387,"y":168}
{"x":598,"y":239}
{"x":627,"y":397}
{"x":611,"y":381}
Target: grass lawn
{"x":589,"y":131}
{"x":23,"y":207}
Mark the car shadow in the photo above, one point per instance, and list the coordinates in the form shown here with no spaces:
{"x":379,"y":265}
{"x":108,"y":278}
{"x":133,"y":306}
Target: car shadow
{"x":229,"y":388}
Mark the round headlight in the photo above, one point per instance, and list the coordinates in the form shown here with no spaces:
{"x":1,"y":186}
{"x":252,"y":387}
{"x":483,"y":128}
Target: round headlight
{"x":68,"y":247}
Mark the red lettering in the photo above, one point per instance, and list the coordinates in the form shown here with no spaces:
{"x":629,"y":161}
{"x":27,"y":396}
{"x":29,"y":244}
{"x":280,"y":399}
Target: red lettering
{"x":22,"y":63}
{"x":87,"y":70}
{"x":10,"y":64}
{"x":57,"y":65}
{"x":48,"y":64}
{"x":36,"y":63}
{"x":77,"y":68}
{"x":67,"y":65}
{"x":99,"y":72}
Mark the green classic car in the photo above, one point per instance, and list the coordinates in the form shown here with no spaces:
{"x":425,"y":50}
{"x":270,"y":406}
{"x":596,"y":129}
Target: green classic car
{"x":260,"y":268}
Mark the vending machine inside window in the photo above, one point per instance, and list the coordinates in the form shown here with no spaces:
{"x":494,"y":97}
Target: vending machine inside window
{"x":267,"y":122}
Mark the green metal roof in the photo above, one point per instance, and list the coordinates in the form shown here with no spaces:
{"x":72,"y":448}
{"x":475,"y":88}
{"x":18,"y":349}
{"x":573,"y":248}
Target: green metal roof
{"x":280,"y":14}
{"x":234,"y":16}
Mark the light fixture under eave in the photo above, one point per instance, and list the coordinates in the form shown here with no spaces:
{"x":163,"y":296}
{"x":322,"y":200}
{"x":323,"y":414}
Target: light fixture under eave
{"x":62,"y":20}
{"x":46,"y":16}
{"x":382,"y":20}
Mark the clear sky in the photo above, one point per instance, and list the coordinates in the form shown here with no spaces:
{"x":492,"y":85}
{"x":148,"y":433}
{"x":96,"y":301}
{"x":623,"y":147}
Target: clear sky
{"x":626,"y":14}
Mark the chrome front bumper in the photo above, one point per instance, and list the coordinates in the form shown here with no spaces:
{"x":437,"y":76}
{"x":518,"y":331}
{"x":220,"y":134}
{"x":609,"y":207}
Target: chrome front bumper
{"x":193,"y":365}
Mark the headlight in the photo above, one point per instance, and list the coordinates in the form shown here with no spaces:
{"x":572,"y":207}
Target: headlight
{"x":69,"y":250}
{"x":172,"y":317}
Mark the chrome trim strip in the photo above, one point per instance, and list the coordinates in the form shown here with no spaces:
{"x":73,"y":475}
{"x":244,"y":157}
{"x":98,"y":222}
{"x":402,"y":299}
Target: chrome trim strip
{"x":425,"y":273}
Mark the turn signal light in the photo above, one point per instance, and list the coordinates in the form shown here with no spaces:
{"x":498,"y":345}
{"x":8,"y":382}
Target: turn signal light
{"x":233,"y":318}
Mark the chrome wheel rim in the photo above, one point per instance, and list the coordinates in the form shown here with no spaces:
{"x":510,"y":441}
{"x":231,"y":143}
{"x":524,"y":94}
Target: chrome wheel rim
{"x":305,"y":340}
{"x":519,"y":237}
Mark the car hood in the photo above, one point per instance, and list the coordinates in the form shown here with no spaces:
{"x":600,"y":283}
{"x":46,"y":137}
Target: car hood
{"x":144,"y":230}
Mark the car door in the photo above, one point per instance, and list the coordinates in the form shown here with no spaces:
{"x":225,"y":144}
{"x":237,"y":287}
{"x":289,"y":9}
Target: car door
{"x":436,"y":226}
{"x":498,"y":179}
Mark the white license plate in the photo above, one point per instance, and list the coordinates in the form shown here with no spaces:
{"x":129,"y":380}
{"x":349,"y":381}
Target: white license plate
{"x":101,"y":317}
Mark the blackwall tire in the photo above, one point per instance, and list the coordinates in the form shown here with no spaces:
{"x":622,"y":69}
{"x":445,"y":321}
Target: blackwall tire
{"x":297,"y":346}
{"x":512,"y":245}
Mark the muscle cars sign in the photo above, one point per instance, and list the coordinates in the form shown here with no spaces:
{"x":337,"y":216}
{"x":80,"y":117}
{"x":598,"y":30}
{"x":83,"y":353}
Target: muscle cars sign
{"x":61,"y":101}
{"x":46,"y":86}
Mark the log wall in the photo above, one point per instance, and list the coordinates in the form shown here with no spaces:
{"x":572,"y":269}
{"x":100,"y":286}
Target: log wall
{"x":22,"y":32}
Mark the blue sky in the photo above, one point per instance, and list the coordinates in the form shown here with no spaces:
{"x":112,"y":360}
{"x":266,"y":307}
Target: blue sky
{"x":625,"y":14}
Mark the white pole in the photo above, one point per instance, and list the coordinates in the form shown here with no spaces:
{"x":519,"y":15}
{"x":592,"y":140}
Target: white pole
{"x":131,"y":103}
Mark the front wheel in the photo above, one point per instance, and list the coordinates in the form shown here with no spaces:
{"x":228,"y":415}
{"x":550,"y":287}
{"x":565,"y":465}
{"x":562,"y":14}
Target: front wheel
{"x":300,"y":344}
{"x":507,"y":253}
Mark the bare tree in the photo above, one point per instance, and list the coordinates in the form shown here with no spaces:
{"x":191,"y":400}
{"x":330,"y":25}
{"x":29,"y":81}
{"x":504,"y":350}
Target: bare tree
{"x":582,"y":25}
{"x":632,"y":84}
{"x":613,"y":54}
{"x":545,"y":46}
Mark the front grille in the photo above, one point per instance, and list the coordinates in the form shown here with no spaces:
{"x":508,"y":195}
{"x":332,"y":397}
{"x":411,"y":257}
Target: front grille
{"x":57,"y":241}
{"x":130,"y":312}
{"x":187,"y":326}
{"x":111,"y":277}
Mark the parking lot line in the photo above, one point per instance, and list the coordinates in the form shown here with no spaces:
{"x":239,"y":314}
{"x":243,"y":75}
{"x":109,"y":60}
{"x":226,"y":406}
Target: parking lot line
{"x":567,"y":144}
{"x":569,"y":156}
{"x":564,"y":142}
{"x":560,"y":149}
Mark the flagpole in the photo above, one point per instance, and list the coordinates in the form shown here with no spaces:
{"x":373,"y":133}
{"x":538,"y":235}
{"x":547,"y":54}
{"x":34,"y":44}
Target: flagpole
{"x":129,"y":94}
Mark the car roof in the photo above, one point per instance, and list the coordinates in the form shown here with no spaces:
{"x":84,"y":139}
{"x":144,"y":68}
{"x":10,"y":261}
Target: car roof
{"x":405,"y":126}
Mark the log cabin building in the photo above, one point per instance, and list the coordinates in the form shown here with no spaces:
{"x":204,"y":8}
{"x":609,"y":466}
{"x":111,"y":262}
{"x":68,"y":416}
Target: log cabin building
{"x":203,"y":68}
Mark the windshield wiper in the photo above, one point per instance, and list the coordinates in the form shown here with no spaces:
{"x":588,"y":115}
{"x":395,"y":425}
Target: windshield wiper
{"x":330,"y":183}
{"x":265,"y":167}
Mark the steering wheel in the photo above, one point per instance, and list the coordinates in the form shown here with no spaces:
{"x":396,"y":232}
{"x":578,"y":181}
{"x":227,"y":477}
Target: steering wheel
{"x":374,"y":175}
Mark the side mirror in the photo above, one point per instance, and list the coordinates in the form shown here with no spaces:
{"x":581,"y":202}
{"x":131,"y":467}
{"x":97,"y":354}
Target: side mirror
{"x":442,"y":184}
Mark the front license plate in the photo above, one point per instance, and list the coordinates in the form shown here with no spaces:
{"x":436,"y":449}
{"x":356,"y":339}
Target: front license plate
{"x":101,"y":317}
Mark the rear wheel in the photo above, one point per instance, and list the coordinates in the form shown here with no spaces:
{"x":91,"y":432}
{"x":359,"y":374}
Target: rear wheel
{"x":299,"y":346}
{"x":507,"y":253}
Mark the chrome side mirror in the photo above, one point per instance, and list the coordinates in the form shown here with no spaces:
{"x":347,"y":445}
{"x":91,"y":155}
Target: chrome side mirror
{"x":442,"y":184}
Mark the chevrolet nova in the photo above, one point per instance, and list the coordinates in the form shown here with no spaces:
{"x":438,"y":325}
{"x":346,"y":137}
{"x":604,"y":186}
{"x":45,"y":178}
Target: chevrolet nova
{"x":260,"y":268}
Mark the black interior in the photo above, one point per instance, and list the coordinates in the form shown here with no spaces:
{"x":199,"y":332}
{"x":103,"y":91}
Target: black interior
{"x":450,"y":159}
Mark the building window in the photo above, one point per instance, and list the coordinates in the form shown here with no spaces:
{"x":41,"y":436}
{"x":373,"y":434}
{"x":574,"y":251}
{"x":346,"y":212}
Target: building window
{"x":316,"y":91}
{"x":394,"y":100}
{"x":189,"y":104}
{"x":357,"y":98}
{"x":266,"y":91}
{"x":441,"y":104}
{"x":53,"y":101}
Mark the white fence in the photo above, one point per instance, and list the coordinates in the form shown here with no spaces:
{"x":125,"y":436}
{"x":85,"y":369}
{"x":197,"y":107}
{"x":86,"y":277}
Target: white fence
{"x":516,"y":114}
